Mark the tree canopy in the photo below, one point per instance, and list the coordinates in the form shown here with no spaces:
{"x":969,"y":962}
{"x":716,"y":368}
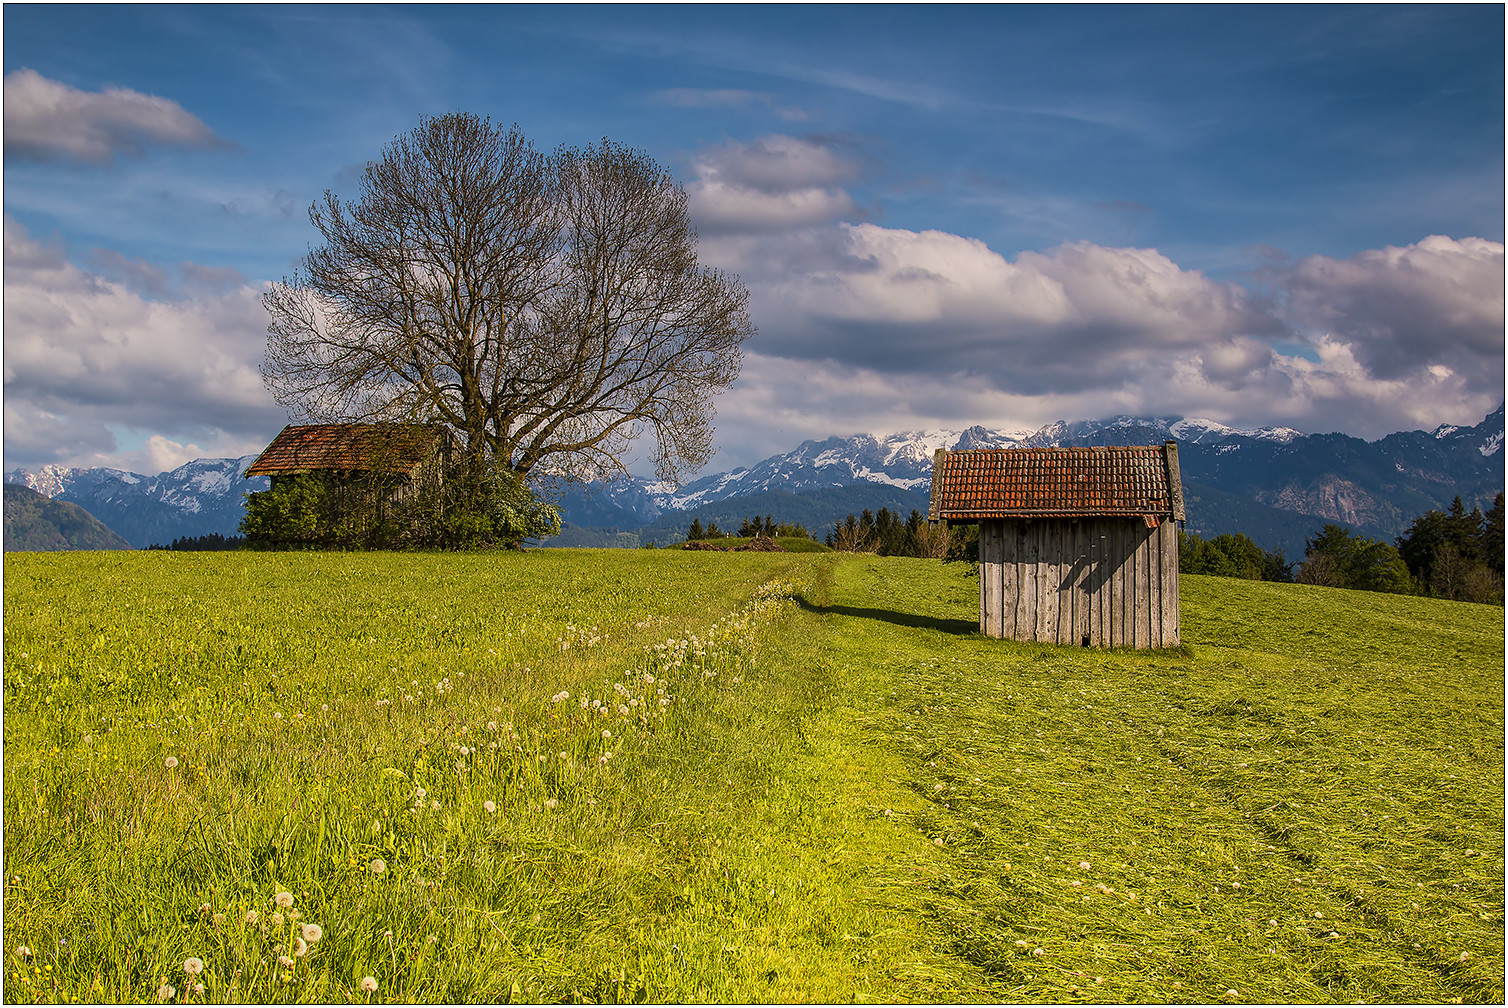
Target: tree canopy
{"x":548,"y":308}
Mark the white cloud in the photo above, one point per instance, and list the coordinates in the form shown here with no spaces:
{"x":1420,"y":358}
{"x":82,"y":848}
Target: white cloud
{"x":86,"y":355}
{"x":46,"y":120}
{"x":774,"y":184}
{"x":870,"y":328}
{"x":1436,"y":303}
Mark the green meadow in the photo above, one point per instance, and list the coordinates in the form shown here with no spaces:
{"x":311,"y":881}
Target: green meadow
{"x":628,"y":776}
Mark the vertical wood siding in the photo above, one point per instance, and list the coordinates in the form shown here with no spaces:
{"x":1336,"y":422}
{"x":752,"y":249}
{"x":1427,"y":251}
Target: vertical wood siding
{"x":1101,"y":582}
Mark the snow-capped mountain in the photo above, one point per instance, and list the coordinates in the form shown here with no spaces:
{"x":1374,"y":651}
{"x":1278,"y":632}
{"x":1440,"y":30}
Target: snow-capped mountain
{"x":197,"y":498}
{"x":1274,"y":483}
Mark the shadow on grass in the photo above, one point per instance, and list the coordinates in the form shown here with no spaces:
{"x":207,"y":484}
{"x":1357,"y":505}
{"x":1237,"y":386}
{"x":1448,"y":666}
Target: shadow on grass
{"x":947,"y":626}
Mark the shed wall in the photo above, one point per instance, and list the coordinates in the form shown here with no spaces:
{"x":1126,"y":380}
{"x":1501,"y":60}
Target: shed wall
{"x":1104,"y":582}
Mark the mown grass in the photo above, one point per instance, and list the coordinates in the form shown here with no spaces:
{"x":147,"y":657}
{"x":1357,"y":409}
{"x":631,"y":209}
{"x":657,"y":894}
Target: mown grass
{"x":863,"y":800}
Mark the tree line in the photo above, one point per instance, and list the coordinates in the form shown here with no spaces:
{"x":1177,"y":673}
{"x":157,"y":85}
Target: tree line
{"x":750,"y":528}
{"x":887,"y":534}
{"x":1451,"y":554}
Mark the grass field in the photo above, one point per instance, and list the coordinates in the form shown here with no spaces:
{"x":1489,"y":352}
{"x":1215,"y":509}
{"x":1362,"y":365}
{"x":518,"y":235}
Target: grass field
{"x":680,"y":776}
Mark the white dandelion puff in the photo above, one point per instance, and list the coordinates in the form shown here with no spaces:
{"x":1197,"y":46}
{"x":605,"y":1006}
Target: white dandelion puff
{"x":283,"y":899}
{"x":368,"y":984}
{"x":489,"y":807}
{"x":312,"y":933}
{"x":378,"y":866}
{"x":170,"y":762}
{"x":193,"y":965}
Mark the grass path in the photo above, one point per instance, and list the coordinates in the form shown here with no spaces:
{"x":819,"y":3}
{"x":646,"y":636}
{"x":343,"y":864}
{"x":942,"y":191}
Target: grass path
{"x":848,"y":795}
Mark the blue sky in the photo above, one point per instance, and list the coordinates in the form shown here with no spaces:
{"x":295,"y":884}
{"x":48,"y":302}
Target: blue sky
{"x":945,"y":215}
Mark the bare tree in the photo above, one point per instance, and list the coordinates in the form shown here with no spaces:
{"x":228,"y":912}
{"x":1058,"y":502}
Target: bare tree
{"x":549,"y":309}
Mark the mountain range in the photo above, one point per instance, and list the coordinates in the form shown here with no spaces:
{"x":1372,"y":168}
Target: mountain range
{"x":1275,"y":484}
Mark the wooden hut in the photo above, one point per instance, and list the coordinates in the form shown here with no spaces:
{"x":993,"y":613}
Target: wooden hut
{"x":1076,"y":545}
{"x":389,"y":459}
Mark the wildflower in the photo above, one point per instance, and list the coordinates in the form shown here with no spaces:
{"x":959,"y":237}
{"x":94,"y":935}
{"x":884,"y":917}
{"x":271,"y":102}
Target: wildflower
{"x":312,"y":933}
{"x":1084,"y":865}
{"x":368,"y":984}
{"x":492,"y":726}
{"x":1231,"y":994}
{"x":604,"y":758}
{"x":283,"y":899}
{"x":1022,"y":943}
{"x":251,"y":916}
{"x":300,"y":947}
{"x":489,"y":807}
{"x":378,"y":866}
{"x":204,"y":908}
{"x":606,"y":733}
{"x":23,"y":952}
{"x":1038,"y":951}
{"x":551,"y":803}
{"x":166,"y":992}
{"x":419,"y":792}
{"x":564,"y":755}
{"x":193,"y":965}
{"x":218,"y":919}
{"x":284,"y":961}
{"x":434,"y":804}
{"x":170,"y":763}
{"x":1465,"y":956}
{"x":198,"y":988}
{"x":276,"y":920}
{"x":562,"y":695}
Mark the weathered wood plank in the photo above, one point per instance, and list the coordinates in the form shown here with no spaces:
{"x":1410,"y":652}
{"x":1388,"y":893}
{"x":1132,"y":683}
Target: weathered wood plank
{"x":1010,"y":587}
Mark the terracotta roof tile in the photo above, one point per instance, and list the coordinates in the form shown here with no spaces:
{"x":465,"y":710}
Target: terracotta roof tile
{"x":395,"y":448}
{"x":1027,"y":482}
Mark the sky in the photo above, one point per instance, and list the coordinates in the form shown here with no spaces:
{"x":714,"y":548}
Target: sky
{"x":945,"y":216}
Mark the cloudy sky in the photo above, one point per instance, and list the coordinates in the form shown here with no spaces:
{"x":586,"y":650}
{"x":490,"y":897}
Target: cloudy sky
{"x":945,"y":216}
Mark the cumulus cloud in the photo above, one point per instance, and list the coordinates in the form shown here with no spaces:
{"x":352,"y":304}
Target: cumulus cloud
{"x":87,"y":355}
{"x":774,"y":184}
{"x":46,"y":120}
{"x":864,"y":327}
{"x":1081,"y":316}
{"x":1436,"y":305}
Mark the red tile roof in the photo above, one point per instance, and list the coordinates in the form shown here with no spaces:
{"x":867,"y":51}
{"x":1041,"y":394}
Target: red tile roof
{"x":1063,"y":482}
{"x":394,"y":448}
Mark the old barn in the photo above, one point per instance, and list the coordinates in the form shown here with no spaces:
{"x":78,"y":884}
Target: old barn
{"x":1076,"y":545}
{"x":387,"y":459}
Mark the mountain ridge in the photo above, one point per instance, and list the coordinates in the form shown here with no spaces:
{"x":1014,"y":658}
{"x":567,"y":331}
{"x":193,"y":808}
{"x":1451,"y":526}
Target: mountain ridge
{"x":1376,"y":487}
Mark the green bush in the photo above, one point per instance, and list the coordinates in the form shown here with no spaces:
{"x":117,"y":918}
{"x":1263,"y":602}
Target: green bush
{"x":490,"y":507}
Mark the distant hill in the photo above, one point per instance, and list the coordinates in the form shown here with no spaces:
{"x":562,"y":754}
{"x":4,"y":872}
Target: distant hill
{"x":35,"y":522}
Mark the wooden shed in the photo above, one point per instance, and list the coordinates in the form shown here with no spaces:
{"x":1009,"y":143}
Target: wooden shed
{"x":1077,"y":546}
{"x":389,"y":457}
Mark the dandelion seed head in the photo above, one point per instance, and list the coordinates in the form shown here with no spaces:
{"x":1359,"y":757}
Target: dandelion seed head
{"x":551,"y":803}
{"x":378,"y":866}
{"x":312,"y":933}
{"x":1084,"y":865}
{"x":23,"y":952}
{"x":251,"y":916}
{"x":300,"y":947}
{"x":283,"y":899}
{"x":166,"y":992}
{"x":276,"y":920}
{"x":368,"y":984}
{"x":193,"y":965}
{"x":170,"y":762}
{"x":489,"y":807}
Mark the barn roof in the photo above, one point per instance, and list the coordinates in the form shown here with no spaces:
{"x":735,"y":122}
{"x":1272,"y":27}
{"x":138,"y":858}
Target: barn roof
{"x":367,"y":447}
{"x":1057,"y":482}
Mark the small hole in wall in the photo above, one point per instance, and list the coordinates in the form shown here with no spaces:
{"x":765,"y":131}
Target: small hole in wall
{"x":1085,"y":641}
